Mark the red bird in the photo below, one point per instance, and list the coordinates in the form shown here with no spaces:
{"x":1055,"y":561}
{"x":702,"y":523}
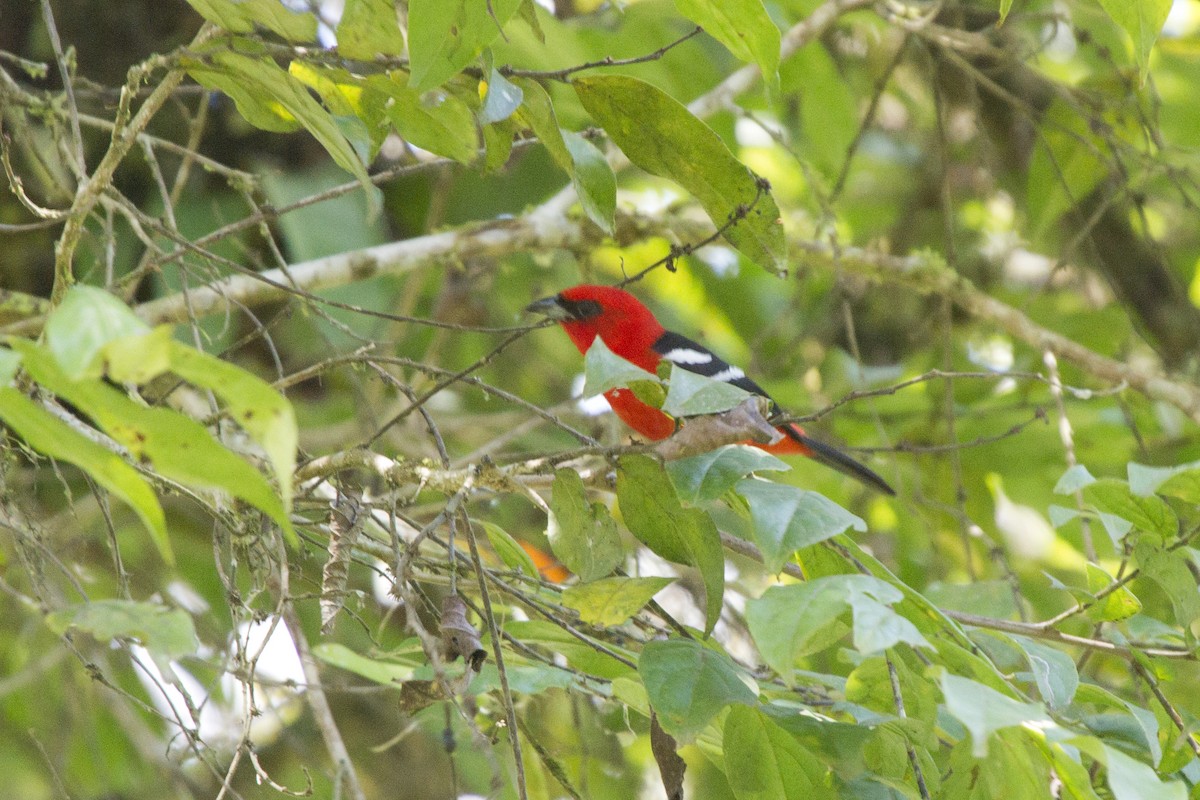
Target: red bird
{"x":630,"y":330}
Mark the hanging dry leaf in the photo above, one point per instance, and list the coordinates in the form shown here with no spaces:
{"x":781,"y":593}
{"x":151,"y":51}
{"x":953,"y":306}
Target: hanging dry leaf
{"x":459,"y":637}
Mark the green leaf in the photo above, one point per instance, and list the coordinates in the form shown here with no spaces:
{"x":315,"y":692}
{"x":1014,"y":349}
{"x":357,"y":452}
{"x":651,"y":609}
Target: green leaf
{"x":82,"y":325}
{"x":503,"y":98}
{"x":1068,"y":163}
{"x":163,"y":631}
{"x":1182,"y":481}
{"x":1128,"y":778}
{"x":787,"y":518}
{"x":140,"y":357}
{"x":1005,"y":7}
{"x":662,"y":137}
{"x":244,"y":16}
{"x":1053,"y":671}
{"x":593,"y":180}
{"x":983,"y":711}
{"x":709,"y":475}
{"x":437,"y":121}
{"x":1073,"y":480}
{"x":1169,"y":569}
{"x":385,"y":673}
{"x":254,"y":404}
{"x":10,"y":363}
{"x":590,"y":172}
{"x":583,"y":537}
{"x":537,"y":112}
{"x":50,"y":436}
{"x":272,"y":99}
{"x":446,"y":35}
{"x":1147,"y":513}
{"x":178,"y":447}
{"x":612,"y":601}
{"x":368,"y":28}
{"x":508,"y":548}
{"x":765,"y":762}
{"x":653,"y":513}
{"x":604,"y":370}
{"x":688,"y":684}
{"x":691,"y":394}
{"x":1118,"y":605}
{"x":788,"y":622}
{"x":744,"y":27}
{"x":579,"y":654}
{"x":1143,"y":20}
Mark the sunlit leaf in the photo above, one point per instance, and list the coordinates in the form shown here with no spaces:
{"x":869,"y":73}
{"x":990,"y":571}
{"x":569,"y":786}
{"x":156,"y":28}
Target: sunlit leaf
{"x":612,"y":601}
{"x":662,"y":137}
{"x":368,"y":28}
{"x":983,"y":710}
{"x":244,"y":16}
{"x":446,"y":35}
{"x":52,"y":437}
{"x":786,"y":519}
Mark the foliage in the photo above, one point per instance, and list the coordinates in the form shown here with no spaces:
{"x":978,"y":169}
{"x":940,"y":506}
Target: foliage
{"x":261,"y":287}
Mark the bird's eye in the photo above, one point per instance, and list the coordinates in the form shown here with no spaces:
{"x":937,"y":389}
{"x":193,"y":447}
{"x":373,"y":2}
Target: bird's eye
{"x":581,"y":309}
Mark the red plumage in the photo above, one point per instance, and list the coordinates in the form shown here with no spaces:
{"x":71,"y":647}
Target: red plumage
{"x":630,"y":329}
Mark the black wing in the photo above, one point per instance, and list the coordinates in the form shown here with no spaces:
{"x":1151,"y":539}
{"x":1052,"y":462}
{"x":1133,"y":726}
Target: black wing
{"x":697,"y":358}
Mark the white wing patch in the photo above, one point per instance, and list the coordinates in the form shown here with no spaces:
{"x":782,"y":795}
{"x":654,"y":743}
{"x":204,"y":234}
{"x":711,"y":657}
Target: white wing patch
{"x":686,"y":355}
{"x":728,"y":375}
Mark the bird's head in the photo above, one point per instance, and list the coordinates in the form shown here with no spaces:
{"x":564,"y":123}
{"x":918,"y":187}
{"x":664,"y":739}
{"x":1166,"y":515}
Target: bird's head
{"x":586,"y":311}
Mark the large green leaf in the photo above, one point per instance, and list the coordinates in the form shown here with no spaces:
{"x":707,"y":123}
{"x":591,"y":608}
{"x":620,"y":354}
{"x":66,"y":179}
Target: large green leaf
{"x":1182,"y":481}
{"x":787,"y":518}
{"x":1128,"y":778}
{"x":368,"y":28}
{"x":161,"y":630}
{"x":983,"y":711}
{"x":590,"y":173}
{"x":274,"y":100}
{"x":743,"y":26}
{"x":583,"y":536}
{"x":1147,"y":512}
{"x":612,"y":601}
{"x":52,"y":437}
{"x":603,"y":370}
{"x":788,"y":622}
{"x":1170,"y":569}
{"x":1143,"y":20}
{"x":691,"y":394}
{"x":244,"y":16}
{"x":83,"y":324}
{"x":765,"y":762}
{"x":688,"y":684}
{"x":441,"y":122}
{"x":653,"y":513}
{"x":446,"y":35}
{"x":179,"y":447}
{"x":253,"y":403}
{"x":709,"y":475}
{"x":662,"y":137}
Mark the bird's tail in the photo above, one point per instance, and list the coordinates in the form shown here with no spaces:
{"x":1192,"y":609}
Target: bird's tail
{"x":831,"y":457}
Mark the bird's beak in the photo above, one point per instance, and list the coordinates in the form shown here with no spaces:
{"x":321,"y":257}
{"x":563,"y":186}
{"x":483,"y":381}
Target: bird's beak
{"x":549,"y":307}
